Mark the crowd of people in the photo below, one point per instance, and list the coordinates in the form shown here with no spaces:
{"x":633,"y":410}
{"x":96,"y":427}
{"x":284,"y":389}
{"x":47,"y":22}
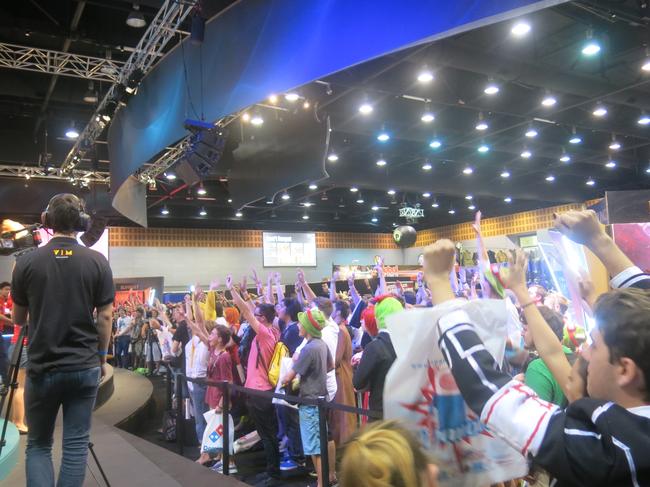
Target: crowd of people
{"x":583,"y":419}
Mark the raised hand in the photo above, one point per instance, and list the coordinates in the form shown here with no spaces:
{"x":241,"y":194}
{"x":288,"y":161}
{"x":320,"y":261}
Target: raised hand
{"x":256,"y":279}
{"x":515,"y":277}
{"x":351,"y":280}
{"x":335,"y":276}
{"x":277,"y":278}
{"x":244,"y":283}
{"x":439,"y":259}
{"x":229,"y":282}
{"x":301,"y":276}
{"x":582,"y":227}
{"x":477,"y":223}
{"x":214,"y":284}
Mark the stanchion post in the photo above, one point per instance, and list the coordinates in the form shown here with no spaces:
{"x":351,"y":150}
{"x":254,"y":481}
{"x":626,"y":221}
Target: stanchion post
{"x":180,"y":420}
{"x":324,"y":457}
{"x":225,"y":419}
{"x":169,"y":386}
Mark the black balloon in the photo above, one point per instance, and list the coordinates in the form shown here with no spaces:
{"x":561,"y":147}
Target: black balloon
{"x":404,"y":235}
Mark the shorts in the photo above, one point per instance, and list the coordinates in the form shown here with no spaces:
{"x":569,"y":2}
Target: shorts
{"x":137,"y":347}
{"x":309,"y":429}
{"x":22,"y":363}
{"x":152,"y":352}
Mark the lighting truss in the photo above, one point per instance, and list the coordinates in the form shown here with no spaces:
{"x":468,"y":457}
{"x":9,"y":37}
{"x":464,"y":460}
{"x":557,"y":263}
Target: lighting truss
{"x":160,"y":31}
{"x":26,"y":58}
{"x":34,"y":172}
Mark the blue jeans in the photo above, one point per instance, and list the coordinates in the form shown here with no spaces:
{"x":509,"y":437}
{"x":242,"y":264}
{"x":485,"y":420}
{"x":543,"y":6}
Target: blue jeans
{"x":198,"y":403}
{"x":44,"y":395}
{"x":122,"y":351}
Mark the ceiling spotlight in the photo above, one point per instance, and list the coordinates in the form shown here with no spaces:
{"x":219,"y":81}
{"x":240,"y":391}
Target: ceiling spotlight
{"x":305,"y":217}
{"x":257,"y":120}
{"x":549,"y":101}
{"x":575,"y":138}
{"x":435,"y":144}
{"x":312,"y":186}
{"x":229,"y":200}
{"x":332,"y":157}
{"x":507,"y":199}
{"x":468,"y":170}
{"x":590,"y":182}
{"x":643,"y":120}
{"x":292,"y":97}
{"x":203,"y":212}
{"x":481,"y":124}
{"x":600,"y":111}
{"x":435,"y":204}
{"x":374,"y":208}
{"x":164,"y":211}
{"x":239,"y":214}
{"x":491,"y":89}
{"x":520,"y":29}
{"x":391,"y":192}
{"x":307,"y":204}
{"x":646,"y":65}
{"x":426,"y":195}
{"x":610,"y":164}
{"x":565,"y":157}
{"x":381,"y":162}
{"x":201,"y":191}
{"x":483,"y":148}
{"x":91,"y":95}
{"x":647,"y":170}
{"x":135,"y":18}
{"x":170,"y":176}
{"x":354,"y":189}
{"x":469,"y":197}
{"x":505,"y":174}
{"x":550,"y":178}
{"x":425,"y":76}
{"x":591,"y":47}
{"x":614,"y":144}
{"x":471,"y":207}
{"x":273,"y":99}
{"x":531,"y":133}
{"x":427,"y":116}
{"x":383,"y":136}
{"x":306,"y":106}
{"x":285,"y":196}
{"x":451,"y":211}
{"x":72,"y":132}
{"x":269,"y":202}
{"x":365,"y":109}
{"x":526,"y":154}
{"x":374,"y":219}
{"x":246,"y":117}
{"x":427,"y":166}
{"x":360,"y":199}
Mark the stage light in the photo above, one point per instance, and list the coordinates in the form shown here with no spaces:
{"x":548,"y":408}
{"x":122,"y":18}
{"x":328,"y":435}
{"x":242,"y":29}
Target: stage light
{"x":549,"y":101}
{"x":520,"y":29}
{"x":643,"y":120}
{"x":285,"y":196}
{"x":381,"y":162}
{"x":435,"y":144}
{"x":435,"y":204}
{"x":72,"y":132}
{"x":507,"y":199}
{"x":354,"y":189}
{"x":483,"y":148}
{"x":610,"y":164}
{"x":391,"y":192}
{"x":312,"y":186}
{"x":469,"y":197}
{"x":201,"y":191}
{"x":505,"y":174}
{"x":550,"y":178}
{"x":292,"y":97}
{"x":491,"y":89}
{"x":239,"y":214}
{"x":531,"y":133}
{"x":135,"y":18}
{"x":332,"y":157}
{"x":91,"y":95}
{"x":425,"y":76}
{"x":426,"y":195}
{"x":365,"y":109}
{"x":471,"y":207}
{"x":427,"y":166}
{"x":427,"y":117}
{"x":600,"y":111}
{"x":170,"y":176}
{"x":590,"y":182}
{"x":526,"y":154}
{"x":374,"y":208}
{"x":257,"y":120}
{"x":273,"y":99}
{"x":374,"y":219}
{"x":468,"y":170}
{"x":164,"y":211}
{"x":203,"y":212}
{"x":383,"y":136}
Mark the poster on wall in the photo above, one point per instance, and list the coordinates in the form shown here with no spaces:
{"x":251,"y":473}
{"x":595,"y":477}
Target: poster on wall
{"x":634,"y":241}
{"x":287,"y":249}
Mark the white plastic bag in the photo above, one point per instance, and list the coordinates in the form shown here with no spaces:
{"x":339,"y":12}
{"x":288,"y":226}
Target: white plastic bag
{"x":421,"y":391}
{"x":213,"y":435}
{"x":285,"y":367}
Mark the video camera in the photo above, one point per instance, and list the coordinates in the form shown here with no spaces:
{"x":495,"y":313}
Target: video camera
{"x":16,"y":239}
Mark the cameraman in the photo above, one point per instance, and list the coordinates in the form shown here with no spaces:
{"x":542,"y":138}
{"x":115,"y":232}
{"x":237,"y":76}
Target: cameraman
{"x":60,"y":285}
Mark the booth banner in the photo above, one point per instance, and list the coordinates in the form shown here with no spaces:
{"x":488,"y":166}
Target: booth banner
{"x":421,"y":392}
{"x":408,"y":272}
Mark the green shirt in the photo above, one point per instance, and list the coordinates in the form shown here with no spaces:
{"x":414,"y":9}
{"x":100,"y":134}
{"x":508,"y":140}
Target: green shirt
{"x":540,"y":380}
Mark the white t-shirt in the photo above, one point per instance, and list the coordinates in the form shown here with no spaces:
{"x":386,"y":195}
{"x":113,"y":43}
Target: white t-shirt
{"x":330,"y":335}
{"x":196,"y":359}
{"x":221,"y":321}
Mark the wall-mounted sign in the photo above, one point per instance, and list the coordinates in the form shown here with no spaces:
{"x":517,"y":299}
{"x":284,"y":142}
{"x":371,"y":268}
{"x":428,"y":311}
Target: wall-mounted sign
{"x":408,"y":212}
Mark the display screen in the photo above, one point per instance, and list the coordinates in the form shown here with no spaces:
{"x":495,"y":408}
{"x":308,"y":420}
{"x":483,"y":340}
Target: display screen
{"x":283,"y":249}
{"x":100,"y":246}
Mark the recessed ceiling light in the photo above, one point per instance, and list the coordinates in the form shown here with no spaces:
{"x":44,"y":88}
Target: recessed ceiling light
{"x":170,"y":176}
{"x":591,"y":48}
{"x":229,"y":200}
{"x":305,"y":217}
{"x":549,"y":101}
{"x":201,"y":191}
{"x":203,"y":212}
{"x":471,"y":207}
{"x":374,"y":219}
{"x":354,"y":189}
{"x":491,"y":88}
{"x":526,"y":154}
{"x":505,"y":174}
{"x":531,"y":133}
{"x":374,"y":208}
{"x":435,"y":204}
{"x":332,"y":157}
{"x":575,"y":140}
{"x":239,"y":214}
{"x":550,"y":178}
{"x":435,"y":144}
{"x":426,"y":195}
{"x":164,"y":211}
{"x":427,"y":166}
{"x":285,"y":196}
{"x":507,"y":199}
{"x":614,"y":145}
{"x":307,"y":204}
{"x":391,"y":192}
{"x":643,"y":120}
{"x":565,"y":157}
{"x":590,"y":182}
{"x":469,"y":197}
{"x":427,"y":117}
{"x":381,"y":162}
{"x":312,"y":186}
{"x":425,"y":76}
{"x":72,"y":132}
{"x":483,"y":148}
{"x":451,"y":211}
{"x":610,"y":164}
{"x":365,"y":109}
{"x":383,"y":137}
{"x":482,"y":125}
{"x":360,"y":200}
{"x":468,"y":170}
{"x":292,"y":97}
{"x":600,"y":111}
{"x":520,"y":29}
{"x":257,"y":120}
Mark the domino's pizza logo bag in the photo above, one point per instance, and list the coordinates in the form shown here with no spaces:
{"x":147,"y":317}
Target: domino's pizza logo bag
{"x":421,"y":392}
{"x":213,"y":435}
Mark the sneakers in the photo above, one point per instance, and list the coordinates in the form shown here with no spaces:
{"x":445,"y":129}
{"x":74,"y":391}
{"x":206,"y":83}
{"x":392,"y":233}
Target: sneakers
{"x":218,"y":467}
{"x":288,"y":464}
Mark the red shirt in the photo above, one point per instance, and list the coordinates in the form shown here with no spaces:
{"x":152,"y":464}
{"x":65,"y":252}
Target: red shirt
{"x":6,"y":305}
{"x":219,"y":369}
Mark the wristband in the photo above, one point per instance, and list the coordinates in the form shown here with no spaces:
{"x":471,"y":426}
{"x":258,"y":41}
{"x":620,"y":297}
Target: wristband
{"x":102,"y":353}
{"x":527,"y":304}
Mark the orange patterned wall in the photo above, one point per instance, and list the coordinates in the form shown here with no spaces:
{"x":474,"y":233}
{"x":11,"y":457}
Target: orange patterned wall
{"x":526,"y":222}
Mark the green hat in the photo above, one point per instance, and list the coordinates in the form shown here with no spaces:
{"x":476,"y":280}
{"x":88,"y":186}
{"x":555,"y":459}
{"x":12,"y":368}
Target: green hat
{"x":313,"y":321}
{"x":386,"y":306}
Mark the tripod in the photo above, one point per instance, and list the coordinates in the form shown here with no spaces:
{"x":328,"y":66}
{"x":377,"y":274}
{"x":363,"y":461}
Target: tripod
{"x":8,"y":393}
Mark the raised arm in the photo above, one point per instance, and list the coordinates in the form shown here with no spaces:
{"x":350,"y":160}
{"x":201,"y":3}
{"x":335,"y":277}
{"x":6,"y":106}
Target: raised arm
{"x":354,"y":294}
{"x":546,"y":343}
{"x":299,"y":296}
{"x":310,"y":296}
{"x":381,"y":284}
{"x":278,"y":286}
{"x":333,"y":279}
{"x":258,"y":284}
{"x":249,"y":314}
{"x":269,"y":289}
{"x":483,"y":259}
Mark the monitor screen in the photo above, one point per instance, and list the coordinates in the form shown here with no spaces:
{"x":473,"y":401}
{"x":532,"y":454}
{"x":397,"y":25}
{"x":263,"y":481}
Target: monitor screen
{"x":283,"y":249}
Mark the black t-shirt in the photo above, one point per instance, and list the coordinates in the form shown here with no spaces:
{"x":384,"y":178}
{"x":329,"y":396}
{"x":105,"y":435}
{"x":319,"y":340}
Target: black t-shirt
{"x":61,"y":284}
{"x":182,"y":335}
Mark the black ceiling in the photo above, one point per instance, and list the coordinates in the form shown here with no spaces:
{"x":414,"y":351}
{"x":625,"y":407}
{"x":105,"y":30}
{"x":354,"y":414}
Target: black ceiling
{"x":547,"y":60}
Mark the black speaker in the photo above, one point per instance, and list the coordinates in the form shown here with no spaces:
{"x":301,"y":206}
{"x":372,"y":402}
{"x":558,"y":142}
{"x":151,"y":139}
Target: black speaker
{"x":203,"y":154}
